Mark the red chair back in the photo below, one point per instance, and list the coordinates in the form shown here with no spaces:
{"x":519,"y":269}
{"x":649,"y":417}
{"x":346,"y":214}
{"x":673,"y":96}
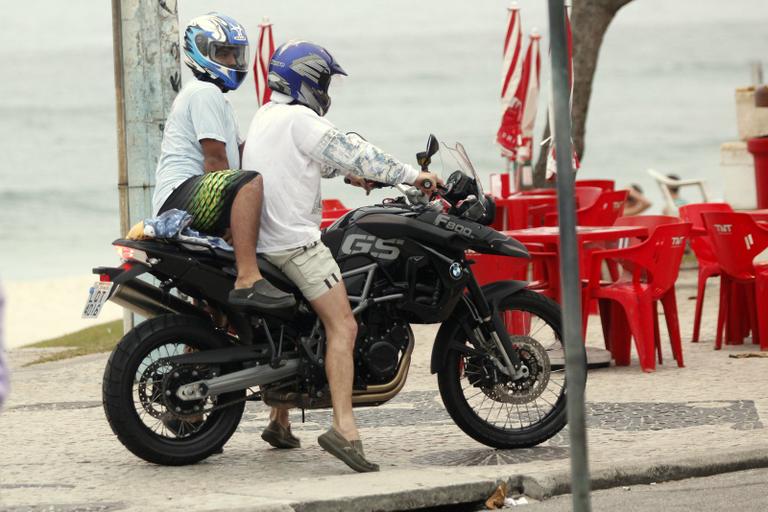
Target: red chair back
{"x":702,"y":244}
{"x":606,"y":185}
{"x":648,"y":221}
{"x":603,"y":212}
{"x":586,"y":196}
{"x":692,"y":212}
{"x":660,"y":255}
{"x":736,"y":239}
{"x":333,"y":204}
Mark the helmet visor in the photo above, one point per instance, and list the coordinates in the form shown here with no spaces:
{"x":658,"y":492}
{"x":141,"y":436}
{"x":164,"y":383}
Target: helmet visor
{"x":233,"y":56}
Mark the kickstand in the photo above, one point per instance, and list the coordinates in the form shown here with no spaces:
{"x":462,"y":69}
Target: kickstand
{"x":302,"y":416}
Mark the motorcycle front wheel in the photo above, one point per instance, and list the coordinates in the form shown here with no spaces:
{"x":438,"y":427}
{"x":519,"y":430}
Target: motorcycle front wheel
{"x":139,"y":393}
{"x":491,"y":407}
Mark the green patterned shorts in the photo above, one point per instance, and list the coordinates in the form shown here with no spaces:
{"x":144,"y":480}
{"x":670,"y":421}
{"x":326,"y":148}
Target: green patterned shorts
{"x":208,"y":198}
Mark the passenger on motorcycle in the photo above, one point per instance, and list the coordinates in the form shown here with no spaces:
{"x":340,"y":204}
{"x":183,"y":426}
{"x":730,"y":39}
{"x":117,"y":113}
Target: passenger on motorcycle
{"x":293,"y":146}
{"x":198,"y":170}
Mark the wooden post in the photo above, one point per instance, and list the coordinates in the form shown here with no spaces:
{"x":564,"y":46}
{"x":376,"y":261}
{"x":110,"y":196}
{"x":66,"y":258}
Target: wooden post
{"x":147,"y":78}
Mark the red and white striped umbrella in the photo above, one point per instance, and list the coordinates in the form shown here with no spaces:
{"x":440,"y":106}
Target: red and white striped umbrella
{"x":529,"y":96}
{"x":509,"y":131}
{"x":264,"y":53}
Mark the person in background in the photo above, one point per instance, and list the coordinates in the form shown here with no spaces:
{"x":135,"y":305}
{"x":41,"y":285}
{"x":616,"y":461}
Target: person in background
{"x":294,"y":146}
{"x":636,"y":201}
{"x":675,"y":193}
{"x":3,"y":368}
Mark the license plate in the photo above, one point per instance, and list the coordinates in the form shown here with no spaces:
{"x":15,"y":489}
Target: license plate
{"x":97,"y":296}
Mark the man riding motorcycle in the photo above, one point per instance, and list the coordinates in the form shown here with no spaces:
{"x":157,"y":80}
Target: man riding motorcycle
{"x":293,"y":146}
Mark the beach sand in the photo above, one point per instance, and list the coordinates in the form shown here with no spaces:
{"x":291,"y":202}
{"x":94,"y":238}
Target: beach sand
{"x":46,"y":308}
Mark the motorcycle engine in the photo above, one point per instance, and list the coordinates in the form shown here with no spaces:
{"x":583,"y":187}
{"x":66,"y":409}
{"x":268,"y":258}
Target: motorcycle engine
{"x":378,"y":350}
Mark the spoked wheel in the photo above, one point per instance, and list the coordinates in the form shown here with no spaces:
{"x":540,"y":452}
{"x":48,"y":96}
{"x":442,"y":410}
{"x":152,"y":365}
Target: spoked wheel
{"x":490,"y":406}
{"x":139,"y":393}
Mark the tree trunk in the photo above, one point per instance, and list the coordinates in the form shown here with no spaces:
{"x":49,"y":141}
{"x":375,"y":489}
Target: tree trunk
{"x":589,"y":22}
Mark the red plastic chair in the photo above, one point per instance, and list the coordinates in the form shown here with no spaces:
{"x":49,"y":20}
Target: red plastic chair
{"x":603,"y":211}
{"x":606,"y":185}
{"x":737,"y":239}
{"x":333,"y":204}
{"x":627,"y":305}
{"x":705,"y":254}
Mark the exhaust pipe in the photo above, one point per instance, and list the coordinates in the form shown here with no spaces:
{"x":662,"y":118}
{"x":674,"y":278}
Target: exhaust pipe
{"x":148,"y":301}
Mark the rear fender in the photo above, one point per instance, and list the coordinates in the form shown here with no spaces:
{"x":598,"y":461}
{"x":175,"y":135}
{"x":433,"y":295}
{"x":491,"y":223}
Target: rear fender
{"x":449,"y":330}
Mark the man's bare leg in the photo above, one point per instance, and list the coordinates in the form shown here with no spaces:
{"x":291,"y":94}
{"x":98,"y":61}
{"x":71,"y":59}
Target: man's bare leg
{"x":340,"y":332}
{"x":280,"y":416}
{"x":245,"y":220}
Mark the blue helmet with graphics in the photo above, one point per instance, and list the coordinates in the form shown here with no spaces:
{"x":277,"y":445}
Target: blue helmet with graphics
{"x":303,"y":71}
{"x":216,"y":50}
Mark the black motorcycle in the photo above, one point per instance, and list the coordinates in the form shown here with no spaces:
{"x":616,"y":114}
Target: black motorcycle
{"x":175,"y":386}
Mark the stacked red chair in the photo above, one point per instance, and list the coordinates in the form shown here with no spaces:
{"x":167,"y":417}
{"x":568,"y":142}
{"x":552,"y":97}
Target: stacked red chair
{"x":704,"y":251}
{"x":627,"y":304}
{"x":606,"y":185}
{"x":603,"y":211}
{"x":737,"y":240}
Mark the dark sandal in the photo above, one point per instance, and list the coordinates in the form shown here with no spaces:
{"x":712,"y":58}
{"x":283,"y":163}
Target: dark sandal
{"x":261,"y":295}
{"x":349,"y":452}
{"x":280,"y":436}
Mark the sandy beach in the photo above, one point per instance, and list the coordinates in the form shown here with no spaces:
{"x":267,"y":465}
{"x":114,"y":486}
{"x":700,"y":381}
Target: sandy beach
{"x":45,"y":308}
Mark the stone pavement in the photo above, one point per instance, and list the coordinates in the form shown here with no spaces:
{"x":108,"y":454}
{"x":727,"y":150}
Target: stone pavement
{"x":57,"y":451}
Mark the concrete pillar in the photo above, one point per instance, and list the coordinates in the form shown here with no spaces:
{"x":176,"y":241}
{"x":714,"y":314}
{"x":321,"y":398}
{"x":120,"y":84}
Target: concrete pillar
{"x":147,"y":79}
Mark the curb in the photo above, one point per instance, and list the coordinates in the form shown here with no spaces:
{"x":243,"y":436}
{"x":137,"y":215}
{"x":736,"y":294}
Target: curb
{"x":541,"y":486}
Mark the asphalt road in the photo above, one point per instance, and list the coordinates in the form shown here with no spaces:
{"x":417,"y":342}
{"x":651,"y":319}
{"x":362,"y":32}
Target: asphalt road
{"x":743,"y":491}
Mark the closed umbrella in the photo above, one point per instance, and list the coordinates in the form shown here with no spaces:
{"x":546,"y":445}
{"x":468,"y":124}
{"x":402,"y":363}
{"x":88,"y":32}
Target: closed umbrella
{"x":529,"y":96}
{"x":509,"y":131}
{"x":264,"y":53}
{"x":551,"y":163}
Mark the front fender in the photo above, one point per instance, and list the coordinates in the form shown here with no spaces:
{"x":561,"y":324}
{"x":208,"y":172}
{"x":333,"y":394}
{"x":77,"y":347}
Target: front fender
{"x":449,"y":330}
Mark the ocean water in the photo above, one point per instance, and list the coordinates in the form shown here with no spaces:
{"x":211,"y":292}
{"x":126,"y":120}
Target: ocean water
{"x":662,"y":98}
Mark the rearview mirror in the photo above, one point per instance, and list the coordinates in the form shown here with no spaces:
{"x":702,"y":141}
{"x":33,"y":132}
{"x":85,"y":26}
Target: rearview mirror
{"x":424,"y":158}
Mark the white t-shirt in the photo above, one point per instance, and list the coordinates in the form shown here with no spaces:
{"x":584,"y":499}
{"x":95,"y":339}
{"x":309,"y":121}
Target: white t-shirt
{"x":200,"y":111}
{"x":292,"y":147}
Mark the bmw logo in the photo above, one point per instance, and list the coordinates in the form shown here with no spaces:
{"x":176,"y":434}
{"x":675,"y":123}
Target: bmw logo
{"x":455,"y":270}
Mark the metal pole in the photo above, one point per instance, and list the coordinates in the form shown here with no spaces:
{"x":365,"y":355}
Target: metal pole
{"x":147,"y":78}
{"x":576,"y":370}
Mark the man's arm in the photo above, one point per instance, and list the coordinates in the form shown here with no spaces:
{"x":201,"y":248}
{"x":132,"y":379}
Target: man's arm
{"x":214,"y":155}
{"x":349,"y":153}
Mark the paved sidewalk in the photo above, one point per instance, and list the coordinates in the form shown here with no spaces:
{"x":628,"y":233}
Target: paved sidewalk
{"x":58,"y":451}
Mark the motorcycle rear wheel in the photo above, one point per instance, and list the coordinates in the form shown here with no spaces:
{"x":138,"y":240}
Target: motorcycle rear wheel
{"x":514,"y":419}
{"x":150,"y":429}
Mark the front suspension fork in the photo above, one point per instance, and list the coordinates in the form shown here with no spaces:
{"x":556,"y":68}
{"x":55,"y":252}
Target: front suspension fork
{"x":494,"y":328}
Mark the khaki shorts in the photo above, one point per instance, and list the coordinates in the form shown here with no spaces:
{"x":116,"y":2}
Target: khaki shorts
{"x":312,"y":268}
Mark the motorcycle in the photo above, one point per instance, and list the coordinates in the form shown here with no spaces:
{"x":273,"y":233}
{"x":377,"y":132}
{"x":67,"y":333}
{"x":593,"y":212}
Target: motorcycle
{"x":175,"y":386}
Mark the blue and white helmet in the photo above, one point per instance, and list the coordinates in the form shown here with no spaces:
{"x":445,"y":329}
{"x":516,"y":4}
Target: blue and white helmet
{"x":303,"y":71}
{"x":216,"y":50}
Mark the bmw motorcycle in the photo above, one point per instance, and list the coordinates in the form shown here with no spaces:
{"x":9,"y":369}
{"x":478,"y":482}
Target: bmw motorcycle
{"x":175,"y":386}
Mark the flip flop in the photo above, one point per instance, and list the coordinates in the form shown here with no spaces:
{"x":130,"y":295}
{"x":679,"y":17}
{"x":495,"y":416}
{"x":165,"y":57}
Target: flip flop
{"x":349,"y":452}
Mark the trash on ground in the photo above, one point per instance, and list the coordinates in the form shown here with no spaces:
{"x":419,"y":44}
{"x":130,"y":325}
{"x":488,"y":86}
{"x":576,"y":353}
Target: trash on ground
{"x":744,"y":355}
{"x":496,"y":501}
{"x":515,"y":502}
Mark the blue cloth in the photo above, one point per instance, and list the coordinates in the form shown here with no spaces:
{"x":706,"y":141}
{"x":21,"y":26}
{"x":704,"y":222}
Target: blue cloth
{"x":174,"y":224}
